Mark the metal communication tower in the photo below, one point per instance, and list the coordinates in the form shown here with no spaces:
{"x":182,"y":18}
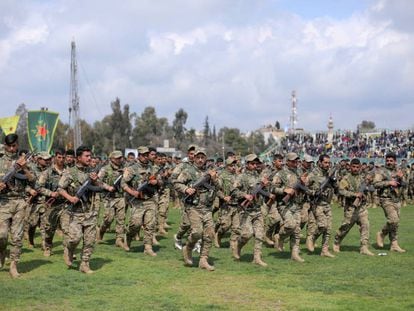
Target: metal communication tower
{"x":74,"y":114}
{"x":293,"y":116}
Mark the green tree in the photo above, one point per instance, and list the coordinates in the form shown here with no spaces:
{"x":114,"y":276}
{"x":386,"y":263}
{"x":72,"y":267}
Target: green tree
{"x":178,"y":128}
{"x":21,"y":130}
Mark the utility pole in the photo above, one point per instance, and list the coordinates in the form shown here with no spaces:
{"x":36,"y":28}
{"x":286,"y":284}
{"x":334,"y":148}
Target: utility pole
{"x":74,"y":114}
{"x":293,"y":116}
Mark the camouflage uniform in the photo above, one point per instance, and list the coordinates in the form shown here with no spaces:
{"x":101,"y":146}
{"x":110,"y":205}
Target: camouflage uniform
{"x":47,"y":184}
{"x":164,"y":203}
{"x":199,"y":210}
{"x":390,"y":200}
{"x":143,"y":210}
{"x":82,"y":216}
{"x":12,"y":213}
{"x":251,"y":217}
{"x":229,"y":216}
{"x":349,"y":187}
{"x":290,"y":210}
{"x":114,"y":203}
{"x":321,"y":209}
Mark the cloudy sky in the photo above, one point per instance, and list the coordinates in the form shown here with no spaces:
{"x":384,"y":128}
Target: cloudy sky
{"x":235,"y":61}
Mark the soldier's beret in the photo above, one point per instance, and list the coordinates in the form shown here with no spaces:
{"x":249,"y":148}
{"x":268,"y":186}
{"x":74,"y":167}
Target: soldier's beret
{"x":115,"y":154}
{"x":142,"y":149}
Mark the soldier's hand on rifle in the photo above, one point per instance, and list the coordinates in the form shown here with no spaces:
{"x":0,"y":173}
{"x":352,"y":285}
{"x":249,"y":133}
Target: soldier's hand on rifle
{"x":394,"y":183}
{"x":289,"y":191}
{"x":111,"y":188}
{"x":227,"y":199}
{"x":2,"y":186}
{"x":153,"y":181}
{"x":33,"y":192}
{"x":304,"y":178}
{"x":54,"y":194}
{"x":93,"y":176}
{"x":265,"y":181}
{"x":190,"y":191}
{"x":213,"y":174}
{"x":359,"y":195}
{"x":73,"y":200}
{"x":249,"y":197}
{"x":21,"y":162}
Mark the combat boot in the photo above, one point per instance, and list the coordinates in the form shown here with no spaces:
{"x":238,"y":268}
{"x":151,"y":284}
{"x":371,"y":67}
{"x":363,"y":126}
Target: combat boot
{"x":203,"y":264}
{"x":234,"y":250}
{"x":119,"y":243}
{"x":396,"y":248}
{"x":365,"y":251}
{"x":380,"y":239}
{"x":155,"y":241}
{"x":268,"y":241}
{"x":217,"y":240}
{"x":257,"y":259}
{"x":309,"y":244}
{"x":148,"y":250}
{"x":68,"y":257}
{"x":187,"y":255}
{"x":161,"y":230}
{"x":166,"y":226}
{"x":13,"y":270}
{"x":278,"y":243}
{"x":336,"y":248}
{"x":295,"y":255}
{"x":240,"y":243}
{"x":325,"y":252}
{"x":127,"y":244}
{"x":177,"y":243}
{"x":84,"y":267}
{"x":47,"y":252}
{"x":98,"y":235}
{"x":2,"y":258}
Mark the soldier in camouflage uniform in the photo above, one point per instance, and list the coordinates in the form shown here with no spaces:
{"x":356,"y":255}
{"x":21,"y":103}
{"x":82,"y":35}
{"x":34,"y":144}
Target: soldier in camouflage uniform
{"x":185,"y":223}
{"x":305,"y":218}
{"x":114,"y":202}
{"x":47,"y":185}
{"x":229,"y":216}
{"x":252,"y":222}
{"x":83,"y":213}
{"x":355,"y":209}
{"x":143,"y":203}
{"x":321,"y":206}
{"x":289,"y":204}
{"x":36,"y":205}
{"x":164,"y":195}
{"x":12,"y":203}
{"x":388,"y":182}
{"x":198,"y":206}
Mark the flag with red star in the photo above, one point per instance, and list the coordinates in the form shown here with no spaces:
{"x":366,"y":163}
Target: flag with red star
{"x":41,"y":126}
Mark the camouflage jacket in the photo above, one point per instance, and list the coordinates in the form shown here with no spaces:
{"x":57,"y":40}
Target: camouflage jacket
{"x":109,"y":174}
{"x":382,"y":178}
{"x":287,"y":178}
{"x":315,"y":180}
{"x":16,"y":188}
{"x":203,"y":198}
{"x":225,"y":184}
{"x":349,"y":187}
{"x":37,"y":171}
{"x":48,"y":182}
{"x":245,"y":184}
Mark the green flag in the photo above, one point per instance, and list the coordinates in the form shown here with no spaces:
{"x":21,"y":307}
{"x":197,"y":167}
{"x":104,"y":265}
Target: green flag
{"x":41,"y":126}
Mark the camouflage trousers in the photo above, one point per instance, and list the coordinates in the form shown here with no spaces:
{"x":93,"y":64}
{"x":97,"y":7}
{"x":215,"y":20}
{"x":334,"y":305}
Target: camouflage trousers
{"x":12,"y":214}
{"x":252,"y":224}
{"x":291,"y":226}
{"x":64,"y":225}
{"x":229,"y":218}
{"x":304,"y":214}
{"x":82,"y":226}
{"x":49,"y":223}
{"x":163,"y":205}
{"x":392,"y":213}
{"x":202,"y":227}
{"x":143,"y":215}
{"x":323,"y":219}
{"x":184,"y":224}
{"x":272,"y":219}
{"x":114,"y":209}
{"x":354,"y":215}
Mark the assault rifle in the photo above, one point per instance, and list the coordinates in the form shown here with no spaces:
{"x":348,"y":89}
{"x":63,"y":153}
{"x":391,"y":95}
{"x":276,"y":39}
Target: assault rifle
{"x":330,"y":180}
{"x":146,"y":187}
{"x":83,"y":191}
{"x":14,"y":170}
{"x":202,"y":182}
{"x":258,"y":189}
{"x":363,"y":188}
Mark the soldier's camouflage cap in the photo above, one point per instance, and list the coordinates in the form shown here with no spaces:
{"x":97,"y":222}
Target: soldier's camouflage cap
{"x":115,"y":154}
{"x":230,"y":161}
{"x":292,"y":156}
{"x":142,"y":149}
{"x":308,"y":158}
{"x":44,"y":155}
{"x":192,"y":147}
{"x":252,"y":157}
{"x":200,"y":150}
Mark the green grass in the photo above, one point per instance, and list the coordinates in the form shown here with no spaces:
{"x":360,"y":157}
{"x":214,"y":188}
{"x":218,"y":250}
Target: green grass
{"x":132,"y":281}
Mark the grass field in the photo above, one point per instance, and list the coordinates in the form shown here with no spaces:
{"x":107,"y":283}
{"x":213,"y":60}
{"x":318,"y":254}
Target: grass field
{"x":133,"y":281}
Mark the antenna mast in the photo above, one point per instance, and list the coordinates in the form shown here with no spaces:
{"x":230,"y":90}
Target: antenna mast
{"x":74,"y":115}
{"x":293,"y":116}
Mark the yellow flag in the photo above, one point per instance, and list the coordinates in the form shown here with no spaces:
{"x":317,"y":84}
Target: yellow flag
{"x":9,"y":124}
